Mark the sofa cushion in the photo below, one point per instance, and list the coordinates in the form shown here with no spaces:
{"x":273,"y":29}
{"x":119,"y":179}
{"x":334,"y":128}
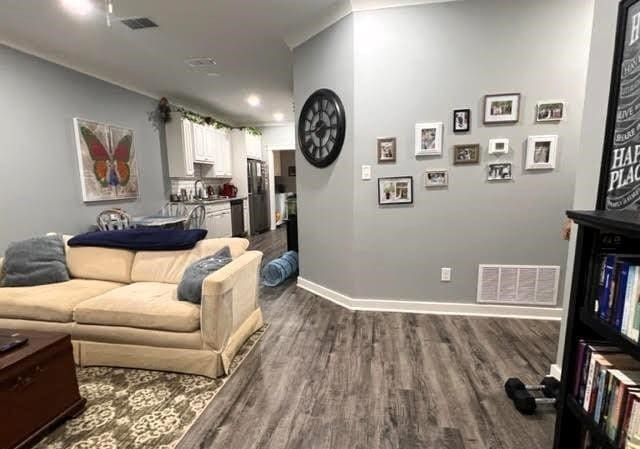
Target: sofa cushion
{"x":35,"y":261}
{"x":105,"y":264}
{"x":144,"y":305}
{"x":190,"y":287}
{"x":51,"y":302}
{"x":169,"y":266}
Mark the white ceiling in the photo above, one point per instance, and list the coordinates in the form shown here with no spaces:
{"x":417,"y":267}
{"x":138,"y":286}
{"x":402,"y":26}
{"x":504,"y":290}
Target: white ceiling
{"x":245,"y":37}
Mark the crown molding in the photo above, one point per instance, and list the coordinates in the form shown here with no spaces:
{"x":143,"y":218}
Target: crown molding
{"x":308,"y":29}
{"x":342,"y":9}
{"x":129,"y":87}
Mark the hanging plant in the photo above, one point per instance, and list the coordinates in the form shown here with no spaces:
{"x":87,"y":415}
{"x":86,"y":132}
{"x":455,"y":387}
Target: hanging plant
{"x":253,"y":130}
{"x":164,"y":110}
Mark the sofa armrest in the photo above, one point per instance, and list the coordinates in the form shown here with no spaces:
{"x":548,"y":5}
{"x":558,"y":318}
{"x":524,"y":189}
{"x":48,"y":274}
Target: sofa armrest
{"x":229,"y":297}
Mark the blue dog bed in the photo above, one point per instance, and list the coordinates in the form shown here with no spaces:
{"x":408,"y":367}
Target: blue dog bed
{"x":279,"y":270}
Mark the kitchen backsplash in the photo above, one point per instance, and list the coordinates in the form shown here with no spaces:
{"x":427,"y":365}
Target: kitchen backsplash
{"x":188,"y":184}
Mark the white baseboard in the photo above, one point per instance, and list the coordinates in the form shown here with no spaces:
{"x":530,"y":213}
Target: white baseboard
{"x":555,"y":371}
{"x":429,"y":307}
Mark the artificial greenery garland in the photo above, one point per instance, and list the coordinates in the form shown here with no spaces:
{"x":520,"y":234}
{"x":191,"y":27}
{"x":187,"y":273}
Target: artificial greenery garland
{"x":165,"y":109}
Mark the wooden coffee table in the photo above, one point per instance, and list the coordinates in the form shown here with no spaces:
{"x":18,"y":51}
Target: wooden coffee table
{"x":38,"y":388}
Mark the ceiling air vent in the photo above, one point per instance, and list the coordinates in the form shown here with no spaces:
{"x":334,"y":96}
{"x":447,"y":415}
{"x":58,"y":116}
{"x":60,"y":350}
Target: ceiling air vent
{"x":200,"y":63}
{"x":518,"y":284}
{"x":139,"y":23}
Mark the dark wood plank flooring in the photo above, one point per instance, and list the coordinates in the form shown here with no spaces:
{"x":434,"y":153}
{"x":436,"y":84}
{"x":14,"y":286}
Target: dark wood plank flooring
{"x":326,"y":377}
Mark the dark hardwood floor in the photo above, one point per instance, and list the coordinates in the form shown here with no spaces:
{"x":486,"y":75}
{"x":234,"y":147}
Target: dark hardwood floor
{"x":325,"y":377}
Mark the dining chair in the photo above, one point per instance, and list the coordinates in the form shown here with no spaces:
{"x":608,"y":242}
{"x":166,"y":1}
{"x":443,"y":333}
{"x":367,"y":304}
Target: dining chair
{"x":114,"y":220}
{"x":196,"y":218}
{"x":173,"y":210}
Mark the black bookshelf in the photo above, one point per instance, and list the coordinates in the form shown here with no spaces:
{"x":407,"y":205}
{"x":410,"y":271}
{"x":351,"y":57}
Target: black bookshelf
{"x":597,"y":434}
{"x":599,"y":232}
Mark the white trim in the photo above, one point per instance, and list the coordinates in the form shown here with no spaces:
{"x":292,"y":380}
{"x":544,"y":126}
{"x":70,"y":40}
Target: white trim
{"x":75,"y":68}
{"x":129,"y":87}
{"x":430,"y":307}
{"x":342,"y":9}
{"x":308,"y":29}
{"x":368,"y":5}
{"x":555,"y":371}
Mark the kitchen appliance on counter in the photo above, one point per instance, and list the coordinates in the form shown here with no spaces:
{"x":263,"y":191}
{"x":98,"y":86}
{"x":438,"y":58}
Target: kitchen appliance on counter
{"x":258,"y":210}
{"x":229,"y":190}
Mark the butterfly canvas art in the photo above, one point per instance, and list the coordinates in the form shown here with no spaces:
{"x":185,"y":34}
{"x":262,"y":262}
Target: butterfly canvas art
{"x":107,"y":161}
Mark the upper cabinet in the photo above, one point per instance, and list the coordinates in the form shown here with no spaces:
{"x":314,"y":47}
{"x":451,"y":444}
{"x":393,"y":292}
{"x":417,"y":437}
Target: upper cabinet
{"x":190,"y":143}
{"x":254,"y":145}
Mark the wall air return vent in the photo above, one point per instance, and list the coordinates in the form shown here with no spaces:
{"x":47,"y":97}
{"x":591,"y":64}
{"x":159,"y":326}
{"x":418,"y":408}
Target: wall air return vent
{"x":518,"y":284}
{"x":139,"y":23}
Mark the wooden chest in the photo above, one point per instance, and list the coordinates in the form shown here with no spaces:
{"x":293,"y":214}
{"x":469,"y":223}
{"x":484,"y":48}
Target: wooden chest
{"x":38,"y":388}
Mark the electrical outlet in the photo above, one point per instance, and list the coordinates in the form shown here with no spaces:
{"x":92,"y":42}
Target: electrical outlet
{"x":445,"y":274}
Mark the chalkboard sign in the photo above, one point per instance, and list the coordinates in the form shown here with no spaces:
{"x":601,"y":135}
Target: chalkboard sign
{"x":620,"y":176}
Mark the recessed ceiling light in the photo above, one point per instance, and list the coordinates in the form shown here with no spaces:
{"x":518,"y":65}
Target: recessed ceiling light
{"x":278,"y":116}
{"x":77,"y":7}
{"x":253,"y":100}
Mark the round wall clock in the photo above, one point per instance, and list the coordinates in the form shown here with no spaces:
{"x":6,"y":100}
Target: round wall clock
{"x":321,"y":128}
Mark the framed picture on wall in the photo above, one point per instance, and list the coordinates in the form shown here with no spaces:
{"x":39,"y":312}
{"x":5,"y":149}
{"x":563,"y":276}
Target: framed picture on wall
{"x":550,"y":111}
{"x":106,"y":160}
{"x":466,"y":154}
{"x":387,"y":149}
{"x":434,"y":179}
{"x":429,"y":139}
{"x":461,"y":120}
{"x":498,"y":146}
{"x":501,"y":108}
{"x":397,"y":190}
{"x":541,"y":152}
{"x":500,"y":172}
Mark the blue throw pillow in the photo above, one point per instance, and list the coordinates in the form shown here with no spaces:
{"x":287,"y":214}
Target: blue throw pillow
{"x":190,"y":288}
{"x":35,"y":261}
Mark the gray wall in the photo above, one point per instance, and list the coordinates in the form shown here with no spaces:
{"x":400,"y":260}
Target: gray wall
{"x":593,"y":127}
{"x":432,"y":60}
{"x":417,"y":64}
{"x":325,"y":196}
{"x":39,"y":177}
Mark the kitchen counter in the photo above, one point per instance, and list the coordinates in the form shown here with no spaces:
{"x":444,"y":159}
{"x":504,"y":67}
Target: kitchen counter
{"x":215,"y":201}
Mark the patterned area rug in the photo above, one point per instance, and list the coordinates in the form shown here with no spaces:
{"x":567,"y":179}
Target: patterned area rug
{"x":138,"y":409}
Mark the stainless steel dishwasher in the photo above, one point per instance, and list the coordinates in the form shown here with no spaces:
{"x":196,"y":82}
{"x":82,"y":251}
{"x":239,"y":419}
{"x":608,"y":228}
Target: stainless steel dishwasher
{"x":237,"y":218}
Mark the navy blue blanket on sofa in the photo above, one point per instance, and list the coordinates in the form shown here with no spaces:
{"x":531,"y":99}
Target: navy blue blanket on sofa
{"x":143,"y":239}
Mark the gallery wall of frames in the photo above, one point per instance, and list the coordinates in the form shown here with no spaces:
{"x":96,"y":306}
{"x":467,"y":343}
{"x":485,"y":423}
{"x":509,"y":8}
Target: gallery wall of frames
{"x":500,"y":110}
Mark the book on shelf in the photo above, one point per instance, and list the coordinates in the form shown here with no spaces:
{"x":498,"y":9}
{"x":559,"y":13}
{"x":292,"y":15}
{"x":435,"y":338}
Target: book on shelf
{"x":618,"y":294}
{"x":609,"y":392}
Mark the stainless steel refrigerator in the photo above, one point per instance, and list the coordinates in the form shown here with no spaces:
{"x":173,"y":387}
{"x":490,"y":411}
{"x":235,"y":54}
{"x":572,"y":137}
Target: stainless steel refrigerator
{"x":258,"y":196}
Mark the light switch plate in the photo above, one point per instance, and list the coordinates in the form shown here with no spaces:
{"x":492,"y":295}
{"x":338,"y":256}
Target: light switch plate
{"x":445,"y":274}
{"x":366,"y":172}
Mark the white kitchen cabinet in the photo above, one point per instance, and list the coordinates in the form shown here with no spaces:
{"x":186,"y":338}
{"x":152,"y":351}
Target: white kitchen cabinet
{"x":223,"y":157}
{"x":204,"y":151}
{"x":254,"y":145}
{"x":189,"y":143}
{"x":222,"y":227}
{"x":180,"y":148}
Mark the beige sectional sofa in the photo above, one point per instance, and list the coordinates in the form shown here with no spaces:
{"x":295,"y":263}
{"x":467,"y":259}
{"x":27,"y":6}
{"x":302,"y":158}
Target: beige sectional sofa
{"x":121,"y":308}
